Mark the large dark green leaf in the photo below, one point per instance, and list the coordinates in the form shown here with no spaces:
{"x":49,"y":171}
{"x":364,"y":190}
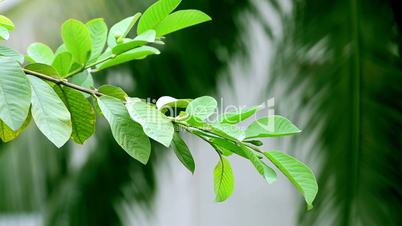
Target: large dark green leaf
{"x":128,"y":134}
{"x":49,"y":112}
{"x":182,"y":152}
{"x":83,"y":116}
{"x":15,"y":93}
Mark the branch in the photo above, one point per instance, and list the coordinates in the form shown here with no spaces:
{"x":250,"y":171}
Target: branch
{"x":64,"y":82}
{"x":236,"y":142}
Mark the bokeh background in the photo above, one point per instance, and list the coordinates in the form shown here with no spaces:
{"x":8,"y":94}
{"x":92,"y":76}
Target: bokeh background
{"x":332,"y":67}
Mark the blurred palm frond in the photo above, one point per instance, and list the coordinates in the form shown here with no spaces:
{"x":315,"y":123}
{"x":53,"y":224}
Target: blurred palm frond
{"x":341,"y":61}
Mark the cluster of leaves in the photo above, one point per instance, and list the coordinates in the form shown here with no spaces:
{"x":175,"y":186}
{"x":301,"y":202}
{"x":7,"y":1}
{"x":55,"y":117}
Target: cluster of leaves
{"x":56,"y":90}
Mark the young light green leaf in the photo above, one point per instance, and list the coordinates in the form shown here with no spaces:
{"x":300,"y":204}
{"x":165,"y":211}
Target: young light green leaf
{"x":271,"y":126}
{"x":77,"y":39}
{"x":43,"y":69}
{"x":134,"y":54}
{"x":223,"y":180}
{"x":156,"y":125}
{"x":7,"y":134}
{"x":83,"y":116}
{"x":155,"y":14}
{"x":15,"y":93}
{"x":180,"y":20}
{"x":128,"y":134}
{"x":4,"y":34}
{"x":113,"y":91}
{"x":202,"y":107}
{"x":8,"y":52}
{"x":49,"y":112}
{"x":121,"y":29}
{"x":298,"y":173}
{"x":267,"y":172}
{"x":234,"y":117}
{"x":98,"y":32}
{"x":182,"y":152}
{"x":142,"y":39}
{"x":40,"y":53}
{"x":6,"y":23}
{"x":62,"y":63}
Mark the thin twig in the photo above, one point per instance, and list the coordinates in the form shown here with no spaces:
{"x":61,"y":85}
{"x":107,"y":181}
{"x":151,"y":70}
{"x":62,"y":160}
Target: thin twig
{"x":64,"y":82}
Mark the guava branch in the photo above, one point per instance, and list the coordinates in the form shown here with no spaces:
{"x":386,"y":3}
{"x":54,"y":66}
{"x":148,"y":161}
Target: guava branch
{"x":61,"y":81}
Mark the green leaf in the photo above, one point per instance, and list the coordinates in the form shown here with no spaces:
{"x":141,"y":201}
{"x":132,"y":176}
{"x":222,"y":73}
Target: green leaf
{"x":83,"y":79}
{"x":61,"y":49}
{"x":228,"y":146}
{"x":49,"y":112}
{"x":113,"y":91}
{"x":234,"y":117}
{"x":15,"y":93}
{"x":134,"y":54}
{"x":298,"y":173}
{"x":40,"y":53}
{"x":180,"y":20}
{"x":202,"y":107}
{"x":156,"y":125}
{"x":77,"y":39}
{"x":128,"y":134}
{"x":223,"y":180}
{"x":182,"y":152}
{"x":6,"y":23}
{"x":267,"y":172}
{"x":121,"y":29}
{"x":271,"y":126}
{"x":155,"y":14}
{"x":43,"y":69}
{"x":83,"y":116}
{"x":98,"y":32}
{"x":142,"y":39}
{"x":4,"y":34}
{"x":228,"y":131}
{"x":7,"y":134}
{"x":255,"y":142}
{"x":62,"y":63}
{"x":8,"y":52}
